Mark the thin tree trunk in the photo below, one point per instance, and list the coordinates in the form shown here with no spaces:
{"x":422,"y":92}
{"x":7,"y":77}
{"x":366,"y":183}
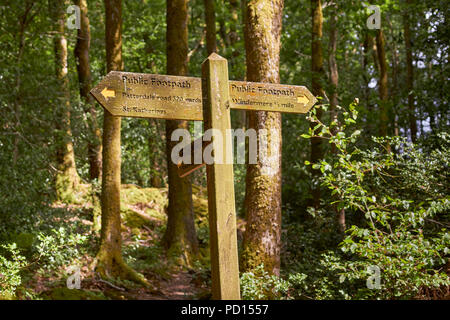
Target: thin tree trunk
{"x":317,"y":90}
{"x":157,"y":171}
{"x":233,"y":35}
{"x":24,"y":21}
{"x":85,"y":81}
{"x":368,"y":49}
{"x":240,"y":115}
{"x":334,"y":75}
{"x":430,"y":110}
{"x":67,"y":178}
{"x":410,"y":73}
{"x":210,"y":18}
{"x":110,"y":262}
{"x":383,"y":84}
{"x":394,"y":96}
{"x":334,"y":81}
{"x":262,"y":237}
{"x":373,"y":45}
{"x":180,"y":237}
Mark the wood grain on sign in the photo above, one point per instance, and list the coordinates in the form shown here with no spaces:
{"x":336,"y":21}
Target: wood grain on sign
{"x":174,"y":97}
{"x":260,"y":96}
{"x":150,"y":96}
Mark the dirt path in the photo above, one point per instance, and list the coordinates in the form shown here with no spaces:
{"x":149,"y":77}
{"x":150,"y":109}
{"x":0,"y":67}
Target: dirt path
{"x":178,"y":287}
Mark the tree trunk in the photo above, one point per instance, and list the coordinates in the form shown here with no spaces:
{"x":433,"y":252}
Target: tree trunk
{"x":317,"y":90}
{"x":67,"y":178}
{"x":210,"y":18}
{"x":85,"y":81}
{"x":334,"y":81}
{"x":180,"y":237}
{"x":24,"y":20}
{"x":239,"y":116}
{"x":158,"y":171}
{"x":262,"y":241}
{"x":383,"y":84}
{"x":368,"y":49}
{"x":109,"y":258}
{"x":410,"y":73}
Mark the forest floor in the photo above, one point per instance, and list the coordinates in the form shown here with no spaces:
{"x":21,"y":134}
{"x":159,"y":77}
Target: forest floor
{"x":143,"y":218}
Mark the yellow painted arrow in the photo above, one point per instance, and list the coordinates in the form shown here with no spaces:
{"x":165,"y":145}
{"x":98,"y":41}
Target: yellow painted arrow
{"x":108,"y":93}
{"x":303,"y":99}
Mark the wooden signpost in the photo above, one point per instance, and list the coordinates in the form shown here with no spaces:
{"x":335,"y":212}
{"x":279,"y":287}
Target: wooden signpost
{"x":210,"y":99}
{"x":143,"y":95}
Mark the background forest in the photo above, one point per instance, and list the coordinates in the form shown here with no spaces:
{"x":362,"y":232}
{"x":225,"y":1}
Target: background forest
{"x":365,"y":175}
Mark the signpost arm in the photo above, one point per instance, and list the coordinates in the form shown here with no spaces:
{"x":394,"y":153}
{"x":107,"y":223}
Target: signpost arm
{"x":221,"y":205}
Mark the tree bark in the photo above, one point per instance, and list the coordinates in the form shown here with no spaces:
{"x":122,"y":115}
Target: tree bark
{"x":24,"y":20}
{"x":334,"y":81}
{"x":158,"y":171}
{"x":334,"y":74}
{"x":368,"y":49}
{"x":210,"y":18}
{"x":317,"y":90}
{"x":410,"y":72}
{"x":262,"y":241}
{"x":85,"y":81}
{"x":383,"y":84}
{"x":109,"y":258}
{"x":67,"y":179}
{"x":239,"y":116}
{"x":180,"y":237}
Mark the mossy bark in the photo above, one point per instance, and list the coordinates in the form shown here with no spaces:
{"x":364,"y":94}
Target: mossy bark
{"x":317,"y":90}
{"x":85,"y":82}
{"x":158,"y":170}
{"x":67,"y":179}
{"x":109,"y":261}
{"x":262,"y":237}
{"x":180,"y":237}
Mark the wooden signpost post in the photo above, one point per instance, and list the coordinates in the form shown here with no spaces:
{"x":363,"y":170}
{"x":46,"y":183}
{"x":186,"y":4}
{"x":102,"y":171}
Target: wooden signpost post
{"x":209,"y":99}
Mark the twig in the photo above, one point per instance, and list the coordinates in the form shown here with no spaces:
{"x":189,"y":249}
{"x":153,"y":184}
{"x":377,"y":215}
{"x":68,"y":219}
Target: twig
{"x":112,"y":285}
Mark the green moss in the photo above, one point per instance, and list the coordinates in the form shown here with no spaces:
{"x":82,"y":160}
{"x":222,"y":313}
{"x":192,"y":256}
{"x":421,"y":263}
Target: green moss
{"x":142,"y":206}
{"x":200,"y":204}
{"x":25,"y":241}
{"x":132,"y":194}
{"x":73,"y":294}
{"x":69,"y":192}
{"x":138,"y":206}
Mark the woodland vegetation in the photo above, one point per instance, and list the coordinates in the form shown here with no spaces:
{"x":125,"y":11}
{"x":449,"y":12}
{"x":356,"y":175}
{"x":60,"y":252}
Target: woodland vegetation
{"x":360,"y":182}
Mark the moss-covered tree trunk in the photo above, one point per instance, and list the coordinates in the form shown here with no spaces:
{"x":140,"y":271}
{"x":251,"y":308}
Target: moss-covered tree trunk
{"x":410,"y":71}
{"x":85,"y":81}
{"x":109,"y":257}
{"x":317,"y":90}
{"x":262,"y":242}
{"x":157,"y":169}
{"x":180,"y":237}
{"x":67,"y":178}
